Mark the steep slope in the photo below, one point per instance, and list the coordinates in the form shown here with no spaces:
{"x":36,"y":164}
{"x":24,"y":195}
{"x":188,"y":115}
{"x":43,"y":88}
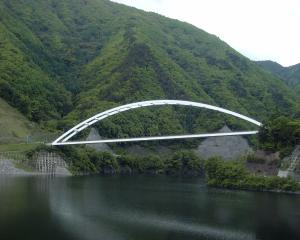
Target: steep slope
{"x":291,"y":75}
{"x":228,"y":148}
{"x":24,"y":79}
{"x":103,"y":54}
{"x":14,"y":126}
{"x":272,"y":67}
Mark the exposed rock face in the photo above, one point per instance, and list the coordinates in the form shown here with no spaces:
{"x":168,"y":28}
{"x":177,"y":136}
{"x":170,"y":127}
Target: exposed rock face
{"x":229,"y":147}
{"x":101,"y":147}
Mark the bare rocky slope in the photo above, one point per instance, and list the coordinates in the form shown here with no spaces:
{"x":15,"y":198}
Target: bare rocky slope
{"x":229,"y":148}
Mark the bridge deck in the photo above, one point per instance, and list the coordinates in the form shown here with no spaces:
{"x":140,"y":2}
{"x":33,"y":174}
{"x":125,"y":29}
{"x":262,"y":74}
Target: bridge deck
{"x":110,"y":112}
{"x":155,"y":138}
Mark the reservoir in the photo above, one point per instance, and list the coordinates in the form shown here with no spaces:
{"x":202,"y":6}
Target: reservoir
{"x":141,"y":208}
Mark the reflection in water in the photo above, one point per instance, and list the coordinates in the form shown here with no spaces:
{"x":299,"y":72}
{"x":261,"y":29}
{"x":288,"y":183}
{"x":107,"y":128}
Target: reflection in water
{"x":73,"y":218}
{"x":142,"y":208}
{"x":24,"y":210}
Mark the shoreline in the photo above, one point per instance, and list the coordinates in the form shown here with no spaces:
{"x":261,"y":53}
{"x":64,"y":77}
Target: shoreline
{"x":261,"y":191}
{"x":8,"y":168}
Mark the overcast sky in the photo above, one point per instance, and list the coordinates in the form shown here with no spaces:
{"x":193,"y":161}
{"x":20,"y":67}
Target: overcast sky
{"x":259,"y":29}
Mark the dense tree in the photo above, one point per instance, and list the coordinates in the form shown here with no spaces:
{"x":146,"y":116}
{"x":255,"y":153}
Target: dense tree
{"x":280,"y":134}
{"x":291,"y":74}
{"x":233,"y":175}
{"x":67,"y":60}
{"x":184,"y":162}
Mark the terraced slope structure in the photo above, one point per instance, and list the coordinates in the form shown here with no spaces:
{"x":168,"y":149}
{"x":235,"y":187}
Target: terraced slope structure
{"x":292,"y":165}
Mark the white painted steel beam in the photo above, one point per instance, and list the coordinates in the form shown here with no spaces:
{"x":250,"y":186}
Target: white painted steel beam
{"x":100,"y":116}
{"x":205,"y":135}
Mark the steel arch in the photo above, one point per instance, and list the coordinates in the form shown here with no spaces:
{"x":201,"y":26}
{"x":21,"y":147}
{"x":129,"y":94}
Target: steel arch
{"x":62,"y":140}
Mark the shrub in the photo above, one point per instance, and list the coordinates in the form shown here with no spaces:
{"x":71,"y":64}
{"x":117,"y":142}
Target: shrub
{"x":233,"y":175}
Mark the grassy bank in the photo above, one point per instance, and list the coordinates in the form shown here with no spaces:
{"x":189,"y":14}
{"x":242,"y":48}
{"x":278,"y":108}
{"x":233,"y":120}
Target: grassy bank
{"x":14,"y":126}
{"x":233,"y":175}
{"x":20,"y":147}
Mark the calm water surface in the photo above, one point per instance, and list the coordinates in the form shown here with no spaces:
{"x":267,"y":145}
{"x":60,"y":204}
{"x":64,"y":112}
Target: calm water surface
{"x":141,"y":208}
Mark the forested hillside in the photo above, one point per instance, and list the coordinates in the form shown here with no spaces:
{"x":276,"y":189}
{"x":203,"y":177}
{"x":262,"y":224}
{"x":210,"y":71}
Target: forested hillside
{"x":291,"y":75}
{"x":62,"y":61}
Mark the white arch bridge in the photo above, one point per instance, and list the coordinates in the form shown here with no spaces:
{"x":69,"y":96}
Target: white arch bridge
{"x":63,"y":139}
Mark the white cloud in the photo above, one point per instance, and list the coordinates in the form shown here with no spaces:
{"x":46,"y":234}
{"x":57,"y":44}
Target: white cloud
{"x":260,"y":29}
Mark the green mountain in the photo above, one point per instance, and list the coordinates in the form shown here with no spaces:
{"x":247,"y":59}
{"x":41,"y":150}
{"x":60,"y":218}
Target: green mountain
{"x":63,"y":61}
{"x":291,"y":75}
